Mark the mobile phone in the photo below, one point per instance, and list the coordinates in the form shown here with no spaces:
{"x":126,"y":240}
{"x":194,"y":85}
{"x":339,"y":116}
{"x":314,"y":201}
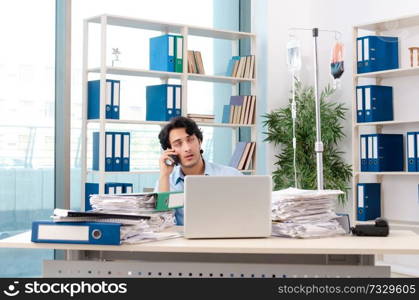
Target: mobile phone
{"x":175,"y":158}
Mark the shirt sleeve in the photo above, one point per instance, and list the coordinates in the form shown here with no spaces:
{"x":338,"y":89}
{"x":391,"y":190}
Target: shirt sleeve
{"x":156,"y":187}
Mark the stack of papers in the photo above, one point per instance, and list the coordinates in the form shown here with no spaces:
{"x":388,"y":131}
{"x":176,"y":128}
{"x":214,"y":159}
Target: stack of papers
{"x":130,"y":203}
{"x":136,"y":228}
{"x":305,"y":213}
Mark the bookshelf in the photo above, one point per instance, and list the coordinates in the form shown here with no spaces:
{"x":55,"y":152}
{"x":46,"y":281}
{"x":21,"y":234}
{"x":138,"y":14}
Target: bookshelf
{"x":392,"y":77}
{"x":103,"y":70}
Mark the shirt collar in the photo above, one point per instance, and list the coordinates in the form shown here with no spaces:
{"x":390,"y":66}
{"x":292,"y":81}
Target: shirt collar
{"x":179,"y":176}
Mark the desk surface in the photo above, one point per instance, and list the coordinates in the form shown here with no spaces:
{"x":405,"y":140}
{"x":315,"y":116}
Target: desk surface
{"x":398,"y":242}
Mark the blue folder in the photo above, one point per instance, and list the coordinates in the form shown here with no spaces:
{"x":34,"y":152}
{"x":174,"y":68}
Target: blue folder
{"x":387,"y":153}
{"x":126,"y":142}
{"x":411,"y":153}
{"x":162,"y":53}
{"x":377,"y":103}
{"x":364,"y":152}
{"x":161,"y":102}
{"x":360,"y":105}
{"x":109,"y":151}
{"x":117,"y":152}
{"x":377,"y":53}
{"x":96,"y":233}
{"x":368,"y":201}
{"x":111,"y":100}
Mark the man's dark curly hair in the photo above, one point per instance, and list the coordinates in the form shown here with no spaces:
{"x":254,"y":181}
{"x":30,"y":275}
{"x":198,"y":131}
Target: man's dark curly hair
{"x":179,"y":122}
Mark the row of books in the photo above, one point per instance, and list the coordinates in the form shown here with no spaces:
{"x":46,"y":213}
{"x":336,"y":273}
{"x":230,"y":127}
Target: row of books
{"x":374,"y":103}
{"x":203,"y":118}
{"x":195,"y":63}
{"x":243,"y":155}
{"x":241,"y":110}
{"x":241,"y":66}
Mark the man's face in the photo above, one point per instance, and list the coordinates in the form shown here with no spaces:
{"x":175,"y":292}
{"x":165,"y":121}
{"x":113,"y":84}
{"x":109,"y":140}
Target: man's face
{"x":186,"y":146}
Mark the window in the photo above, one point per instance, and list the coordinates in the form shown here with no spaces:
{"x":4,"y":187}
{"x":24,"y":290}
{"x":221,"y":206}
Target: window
{"x":26,"y":127}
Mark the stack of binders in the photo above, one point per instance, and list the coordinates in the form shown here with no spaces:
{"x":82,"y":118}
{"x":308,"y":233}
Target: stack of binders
{"x":412,"y":151}
{"x":166,"y":53}
{"x":112,"y":99}
{"x":374,"y":103}
{"x":117,"y":151}
{"x":368,"y":201}
{"x":163,"y":102}
{"x":110,"y":188}
{"x":381,"y":152}
{"x":377,"y":53}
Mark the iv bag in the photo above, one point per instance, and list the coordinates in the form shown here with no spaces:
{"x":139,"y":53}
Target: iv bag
{"x":336,"y":64}
{"x":293,"y":55}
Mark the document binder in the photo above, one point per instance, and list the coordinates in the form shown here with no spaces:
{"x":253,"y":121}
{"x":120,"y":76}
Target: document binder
{"x":178,"y":101}
{"x":96,"y":233}
{"x":364,"y":153}
{"x":179,"y":54}
{"x":162,"y":53}
{"x":109,"y":151}
{"x":377,"y":53}
{"x":368,"y":201}
{"x":161,"y":102}
{"x":412,"y":149}
{"x":117,"y":157}
{"x":376,"y":104}
{"x":169,"y":200}
{"x":360,"y":105}
{"x":126,"y":143}
{"x":384,"y":152}
{"x":115,"y":99}
{"x":127,"y":188}
{"x":111,"y":99}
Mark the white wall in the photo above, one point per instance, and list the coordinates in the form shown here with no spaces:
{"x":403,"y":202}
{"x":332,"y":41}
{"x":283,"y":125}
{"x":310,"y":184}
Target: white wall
{"x":278,"y":16}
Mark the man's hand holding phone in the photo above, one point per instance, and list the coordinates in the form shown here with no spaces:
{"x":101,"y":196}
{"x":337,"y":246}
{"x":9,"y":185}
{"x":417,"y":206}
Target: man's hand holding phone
{"x":168,"y":160}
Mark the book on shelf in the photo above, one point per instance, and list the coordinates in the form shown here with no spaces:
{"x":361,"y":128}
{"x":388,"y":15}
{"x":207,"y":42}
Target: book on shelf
{"x":241,"y":66}
{"x":201,"y":118}
{"x":243,"y":155}
{"x":241,"y":110}
{"x":195,"y":63}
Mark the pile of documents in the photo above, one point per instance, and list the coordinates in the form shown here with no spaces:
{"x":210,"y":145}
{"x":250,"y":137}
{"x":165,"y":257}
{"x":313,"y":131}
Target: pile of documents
{"x":143,"y":217}
{"x":305,"y":213}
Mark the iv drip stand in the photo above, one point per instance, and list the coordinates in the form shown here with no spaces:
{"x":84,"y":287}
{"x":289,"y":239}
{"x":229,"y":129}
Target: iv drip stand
{"x":318,"y":147}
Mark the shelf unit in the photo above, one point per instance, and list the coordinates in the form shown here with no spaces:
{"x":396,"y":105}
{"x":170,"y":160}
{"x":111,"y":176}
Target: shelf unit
{"x":378,"y":28}
{"x":103,"y":70}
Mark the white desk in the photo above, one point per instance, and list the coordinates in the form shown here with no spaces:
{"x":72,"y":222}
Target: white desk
{"x":356,"y":253}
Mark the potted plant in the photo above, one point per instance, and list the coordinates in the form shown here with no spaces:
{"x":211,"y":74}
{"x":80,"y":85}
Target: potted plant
{"x":336,"y":172}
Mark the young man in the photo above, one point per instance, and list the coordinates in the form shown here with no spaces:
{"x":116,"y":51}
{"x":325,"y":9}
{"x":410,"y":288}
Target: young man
{"x":183,"y":138}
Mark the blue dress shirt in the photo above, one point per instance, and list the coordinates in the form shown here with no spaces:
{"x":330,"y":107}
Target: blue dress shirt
{"x":177,"y":179}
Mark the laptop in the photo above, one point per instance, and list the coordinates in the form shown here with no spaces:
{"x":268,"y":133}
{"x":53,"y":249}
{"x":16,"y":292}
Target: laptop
{"x":227,"y":206}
